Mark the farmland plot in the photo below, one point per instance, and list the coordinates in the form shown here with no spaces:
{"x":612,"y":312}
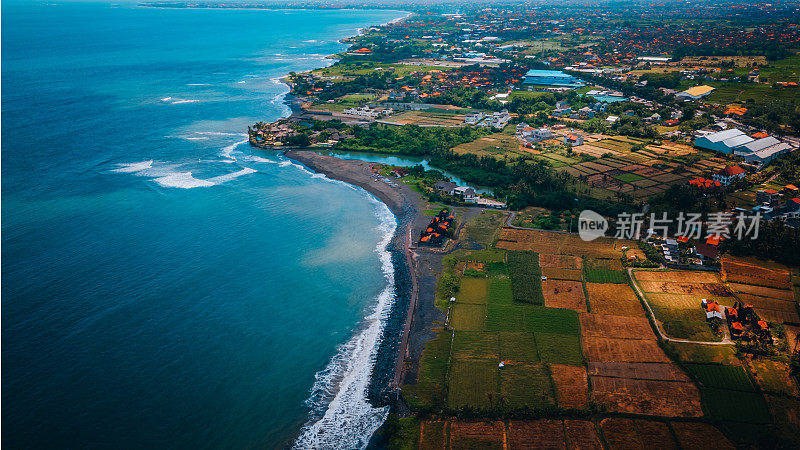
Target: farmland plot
{"x":526,"y":277}
{"x":700,"y":436}
{"x":675,"y":276}
{"x":572,"y":388}
{"x":560,"y":261}
{"x":581,"y":435}
{"x":473,"y":290}
{"x":701,"y":289}
{"x":536,"y":434}
{"x":612,"y":298}
{"x":622,"y":350}
{"x":737,"y":406}
{"x":636,"y":434}
{"x":472,"y":383}
{"x":663,"y":398}
{"x":720,"y":376}
{"x":467,"y":435}
{"x":773,"y":377}
{"x":783,"y":294}
{"x":562,"y":274}
{"x":637,"y":370}
{"x":432,"y":435}
{"x":564,"y":294}
{"x":526,"y":386}
{"x":620,"y":327}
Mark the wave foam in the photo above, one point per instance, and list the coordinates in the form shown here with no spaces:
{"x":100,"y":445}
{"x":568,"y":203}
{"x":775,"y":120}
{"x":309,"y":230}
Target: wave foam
{"x":341,"y":415}
{"x":226,"y":151}
{"x":228,"y":177}
{"x":134,"y":167}
{"x":183,"y":180}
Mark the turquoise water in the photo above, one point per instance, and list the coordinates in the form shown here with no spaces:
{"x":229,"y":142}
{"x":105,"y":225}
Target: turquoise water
{"x":164,"y":285}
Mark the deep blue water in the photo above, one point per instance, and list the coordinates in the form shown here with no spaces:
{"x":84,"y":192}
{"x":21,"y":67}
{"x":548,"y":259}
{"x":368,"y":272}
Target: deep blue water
{"x":163,"y":285}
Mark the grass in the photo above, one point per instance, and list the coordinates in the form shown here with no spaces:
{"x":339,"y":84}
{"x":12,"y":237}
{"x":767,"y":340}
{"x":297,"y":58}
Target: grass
{"x":475,"y":345}
{"x":719,"y":354}
{"x":559,"y":348}
{"x":482,"y":229}
{"x":526,"y":386}
{"x":434,"y":363}
{"x":526,"y":277}
{"x":595,"y":275}
{"x":629,"y":177}
{"x":466,"y":317}
{"x":499,"y":292}
{"x":505,"y":318}
{"x":719,"y":376}
{"x":518,"y":347}
{"x":473,"y":290}
{"x":690,"y":329}
{"x":552,"y":320}
{"x":472,"y":383}
{"x":737,"y":406}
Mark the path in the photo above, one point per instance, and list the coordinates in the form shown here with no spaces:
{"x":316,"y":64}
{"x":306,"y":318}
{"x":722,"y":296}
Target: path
{"x":725,"y":340}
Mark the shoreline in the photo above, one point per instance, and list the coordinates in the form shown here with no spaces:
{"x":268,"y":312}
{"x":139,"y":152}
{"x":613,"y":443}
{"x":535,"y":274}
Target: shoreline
{"x":407,"y":206}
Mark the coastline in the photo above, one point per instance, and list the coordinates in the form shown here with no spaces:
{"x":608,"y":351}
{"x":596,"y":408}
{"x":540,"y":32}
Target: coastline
{"x":407,"y":206}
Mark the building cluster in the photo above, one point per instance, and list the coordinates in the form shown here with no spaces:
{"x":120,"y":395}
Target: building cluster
{"x":742,"y":318}
{"x":368,"y":111}
{"x":496,"y":120}
{"x":436,"y":231}
{"x":758,"y":149}
{"x":466,"y":194}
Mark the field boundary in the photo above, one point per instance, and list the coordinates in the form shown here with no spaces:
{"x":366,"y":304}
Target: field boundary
{"x":726,"y":340}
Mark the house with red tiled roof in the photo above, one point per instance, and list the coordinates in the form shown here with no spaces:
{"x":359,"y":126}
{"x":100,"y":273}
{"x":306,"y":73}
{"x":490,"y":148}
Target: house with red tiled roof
{"x":704,"y":183}
{"x":727,"y":175}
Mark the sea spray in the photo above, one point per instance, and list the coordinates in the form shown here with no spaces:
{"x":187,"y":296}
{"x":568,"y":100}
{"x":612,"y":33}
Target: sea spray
{"x":341,"y":414}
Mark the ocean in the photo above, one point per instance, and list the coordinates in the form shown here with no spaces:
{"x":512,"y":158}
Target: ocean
{"x":164,"y":285}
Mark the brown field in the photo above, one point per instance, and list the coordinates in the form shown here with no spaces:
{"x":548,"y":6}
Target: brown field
{"x":700,"y":436}
{"x":637,"y":434}
{"x":550,"y":242}
{"x":581,"y":435}
{"x":467,"y":435}
{"x":621,"y":434}
{"x":536,"y":434}
{"x":564,"y":294}
{"x":560,"y":261}
{"x":562,"y":274}
{"x":620,"y":327}
{"x":770,"y":315}
{"x":622,"y":350}
{"x":753,"y":271}
{"x":612,"y":298}
{"x":432,"y":435}
{"x":768,"y":303}
{"x":674,"y":276}
{"x":661,"y":398}
{"x":572,"y":387}
{"x":763,"y":291}
{"x":704,"y":289}
{"x":684,"y":301}
{"x":472,"y":265}
{"x":639,"y":371}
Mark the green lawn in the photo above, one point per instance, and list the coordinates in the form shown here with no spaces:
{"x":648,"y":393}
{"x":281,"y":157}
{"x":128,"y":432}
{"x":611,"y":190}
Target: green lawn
{"x":604,"y":276}
{"x":466,"y":317}
{"x":518,"y":347}
{"x":559,"y":348}
{"x":552,"y":320}
{"x":719,"y":376}
{"x":472,"y":383}
{"x":473,"y":290}
{"x":629,"y":177}
{"x":526,"y":277}
{"x":737,"y":406}
{"x":526,"y":386}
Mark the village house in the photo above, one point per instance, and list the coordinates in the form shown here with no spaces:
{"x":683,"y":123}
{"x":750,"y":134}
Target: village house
{"x":573,"y":139}
{"x":769,"y":197}
{"x":727,"y":175}
{"x":445,"y":187}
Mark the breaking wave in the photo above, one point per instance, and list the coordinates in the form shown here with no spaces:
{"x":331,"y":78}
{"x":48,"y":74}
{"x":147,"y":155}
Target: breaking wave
{"x":341,"y":415}
{"x":134,"y":167}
